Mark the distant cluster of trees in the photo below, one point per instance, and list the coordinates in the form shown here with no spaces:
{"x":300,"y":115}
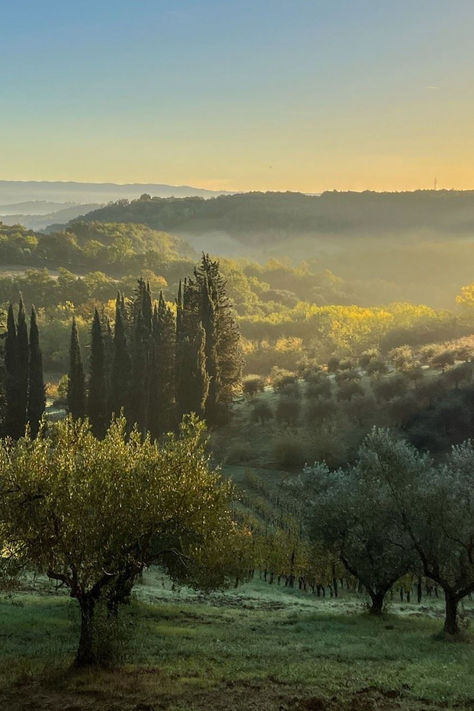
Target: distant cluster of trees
{"x":159,"y":362}
{"x":22,"y":390}
{"x":119,"y":249}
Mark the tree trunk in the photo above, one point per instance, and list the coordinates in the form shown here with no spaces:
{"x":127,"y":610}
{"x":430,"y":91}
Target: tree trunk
{"x":85,"y":653}
{"x":377,"y":602}
{"x":451,"y":620}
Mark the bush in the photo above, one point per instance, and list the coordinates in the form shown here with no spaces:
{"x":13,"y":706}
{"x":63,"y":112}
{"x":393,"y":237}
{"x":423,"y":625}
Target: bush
{"x":239,"y":451}
{"x":252,"y":385}
{"x":348,"y":390}
{"x":289,"y":452}
{"x":390,"y":387}
{"x":319,"y":410}
{"x":261,"y":412}
{"x":319,"y":387}
{"x":288,"y":410}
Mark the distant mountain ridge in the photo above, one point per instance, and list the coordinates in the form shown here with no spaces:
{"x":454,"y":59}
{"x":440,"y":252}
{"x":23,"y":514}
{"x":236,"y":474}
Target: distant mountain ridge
{"x":15,"y":191}
{"x":38,"y":204}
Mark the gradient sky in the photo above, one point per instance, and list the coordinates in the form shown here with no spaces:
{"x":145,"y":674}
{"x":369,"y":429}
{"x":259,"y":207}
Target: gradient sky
{"x":239,"y":94}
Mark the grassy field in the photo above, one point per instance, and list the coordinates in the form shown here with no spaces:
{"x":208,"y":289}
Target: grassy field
{"x":255,"y":647}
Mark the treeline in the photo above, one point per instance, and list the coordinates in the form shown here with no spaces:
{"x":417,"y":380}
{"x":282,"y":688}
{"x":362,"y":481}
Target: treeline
{"x":22,"y":390}
{"x":119,"y":249}
{"x":160,"y":361}
{"x":275,"y":215}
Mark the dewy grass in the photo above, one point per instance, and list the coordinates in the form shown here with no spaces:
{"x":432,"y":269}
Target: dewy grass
{"x":258,"y":644}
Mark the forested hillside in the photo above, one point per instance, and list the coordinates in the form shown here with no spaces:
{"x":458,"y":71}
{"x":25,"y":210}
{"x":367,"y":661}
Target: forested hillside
{"x":413,"y":246}
{"x":286,"y":213}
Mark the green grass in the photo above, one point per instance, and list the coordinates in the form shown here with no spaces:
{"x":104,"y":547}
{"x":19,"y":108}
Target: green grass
{"x":257,"y":647}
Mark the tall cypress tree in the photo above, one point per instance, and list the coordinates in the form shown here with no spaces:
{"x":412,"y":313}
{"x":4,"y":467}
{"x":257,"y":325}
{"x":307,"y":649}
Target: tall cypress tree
{"x":97,"y":396}
{"x":13,"y":420}
{"x":223,"y":338}
{"x":199,"y":378}
{"x":76,"y":391}
{"x":162,"y":371}
{"x":209,"y":322}
{"x":36,"y":393}
{"x":192,"y":379}
{"x":108,"y":360}
{"x":140,"y":355}
{"x":23,"y":360}
{"x":121,"y":363}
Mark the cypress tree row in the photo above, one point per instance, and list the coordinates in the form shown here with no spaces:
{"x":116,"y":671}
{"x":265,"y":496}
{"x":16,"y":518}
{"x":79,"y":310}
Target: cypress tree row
{"x":97,"y":405}
{"x":25,"y":399}
{"x":36,"y":392}
{"x":158,"y":367}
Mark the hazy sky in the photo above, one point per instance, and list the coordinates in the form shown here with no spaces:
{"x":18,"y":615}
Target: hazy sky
{"x":239,"y":94}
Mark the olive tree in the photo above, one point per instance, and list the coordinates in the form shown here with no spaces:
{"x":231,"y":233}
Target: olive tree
{"x":351,"y":511}
{"x":92,"y":514}
{"x":437,"y":509}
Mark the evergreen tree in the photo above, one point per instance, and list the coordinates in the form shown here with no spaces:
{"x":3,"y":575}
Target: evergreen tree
{"x":198,"y":380}
{"x":190,"y":361}
{"x":13,"y":420}
{"x":222,"y":336}
{"x":121,"y":363}
{"x":23,"y":360}
{"x":76,"y":393}
{"x":97,"y":396}
{"x":161,"y":416}
{"x":36,"y":393}
{"x":2,"y":381}
{"x":140,"y":356}
{"x":208,"y":313}
{"x":108,"y":361}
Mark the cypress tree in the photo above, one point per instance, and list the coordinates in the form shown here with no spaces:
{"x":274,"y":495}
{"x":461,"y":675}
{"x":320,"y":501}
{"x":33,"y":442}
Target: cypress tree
{"x":36,"y":393}
{"x":223,"y":339}
{"x":209,"y":323}
{"x":199,"y":378}
{"x":23,"y":360}
{"x":162,"y":371}
{"x":140,"y":356}
{"x":108,"y":361}
{"x":13,"y":423}
{"x":192,"y":379}
{"x":97,"y":396}
{"x":76,"y":392}
{"x":121,"y":364}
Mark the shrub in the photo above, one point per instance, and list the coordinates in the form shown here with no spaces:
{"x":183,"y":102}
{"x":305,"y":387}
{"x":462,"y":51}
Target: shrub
{"x":289,"y":452}
{"x":252,"y":385}
{"x":261,"y":412}
{"x":349,"y":390}
{"x":288,"y":410}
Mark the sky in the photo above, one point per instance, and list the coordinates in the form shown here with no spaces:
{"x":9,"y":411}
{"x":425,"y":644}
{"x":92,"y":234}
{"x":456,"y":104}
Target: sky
{"x":306,"y":95}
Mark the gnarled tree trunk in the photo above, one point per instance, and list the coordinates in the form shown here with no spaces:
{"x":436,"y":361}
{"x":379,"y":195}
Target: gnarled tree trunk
{"x":377,"y":597}
{"x":86,"y":655}
{"x":451,"y":620}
